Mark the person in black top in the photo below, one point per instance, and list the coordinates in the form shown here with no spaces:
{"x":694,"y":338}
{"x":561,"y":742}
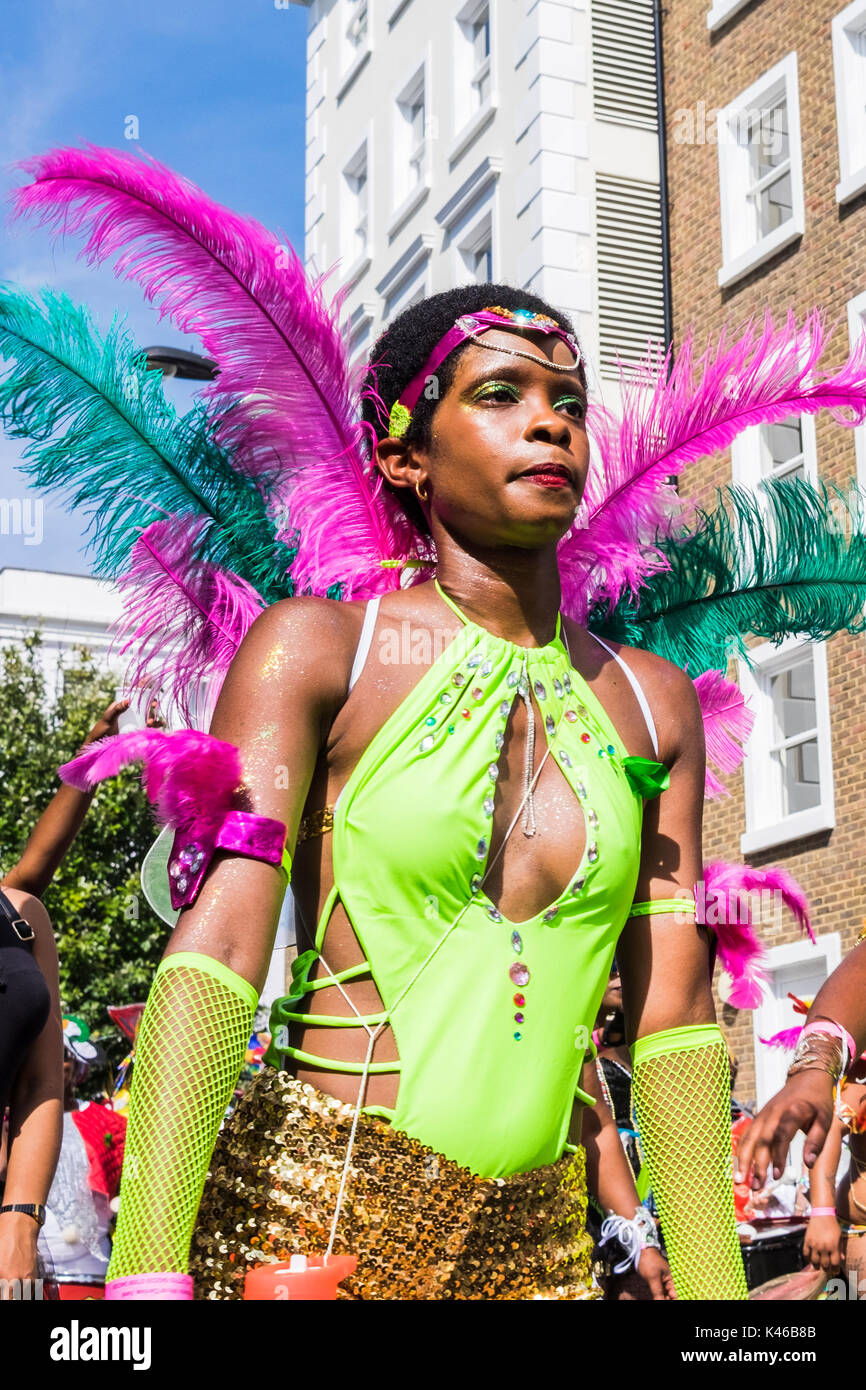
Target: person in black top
{"x":31,"y":1030}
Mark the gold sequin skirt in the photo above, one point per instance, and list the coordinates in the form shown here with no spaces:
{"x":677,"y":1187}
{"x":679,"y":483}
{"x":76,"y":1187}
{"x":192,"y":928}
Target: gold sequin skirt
{"x":421,"y":1226}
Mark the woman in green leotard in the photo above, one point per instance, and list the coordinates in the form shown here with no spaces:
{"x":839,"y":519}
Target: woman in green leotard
{"x":474,"y":829}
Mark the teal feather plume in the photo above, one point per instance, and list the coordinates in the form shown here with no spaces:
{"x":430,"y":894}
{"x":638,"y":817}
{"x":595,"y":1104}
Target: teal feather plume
{"x":786,"y":558}
{"x":102,"y":434}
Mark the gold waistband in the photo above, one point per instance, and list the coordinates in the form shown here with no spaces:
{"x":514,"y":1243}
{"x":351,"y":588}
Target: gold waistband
{"x":421,"y":1226}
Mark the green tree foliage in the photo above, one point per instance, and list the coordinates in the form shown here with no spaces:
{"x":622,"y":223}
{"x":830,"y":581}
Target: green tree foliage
{"x":109,"y":941}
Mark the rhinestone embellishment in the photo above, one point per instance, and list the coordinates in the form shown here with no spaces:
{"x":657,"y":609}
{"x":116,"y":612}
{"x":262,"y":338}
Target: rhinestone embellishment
{"x":516,"y":943}
{"x":493,"y":772}
{"x":571,"y":716}
{"x":505,"y":709}
{"x":499,"y":739}
{"x":564,"y":758}
{"x":550,"y":914}
{"x":458,"y":679}
{"x":426,"y":744}
{"x":474,"y":884}
{"x":486,"y":669}
{"x":511,"y":679}
{"x":540,"y":690}
{"x":474,"y":661}
{"x":477,"y":692}
{"x":494,"y":914}
{"x":592,"y":852}
{"x":592,"y":818}
{"x":519,"y":975}
{"x":577,"y":886}
{"x":446,"y":699}
{"x":481,"y":849}
{"x":558,"y":688}
{"x":488,"y":805}
{"x":550,"y":723}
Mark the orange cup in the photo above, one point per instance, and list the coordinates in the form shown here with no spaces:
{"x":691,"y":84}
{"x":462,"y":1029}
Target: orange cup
{"x":318,"y":1281}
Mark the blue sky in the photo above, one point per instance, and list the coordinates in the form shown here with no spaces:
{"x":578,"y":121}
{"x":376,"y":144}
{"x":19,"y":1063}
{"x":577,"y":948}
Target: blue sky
{"x":218,"y":87}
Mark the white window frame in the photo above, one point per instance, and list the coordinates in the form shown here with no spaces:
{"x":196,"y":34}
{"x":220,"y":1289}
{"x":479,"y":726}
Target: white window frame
{"x":478,"y":231}
{"x":723,"y":10}
{"x":857,"y":327}
{"x":765,"y":827}
{"x":850,"y":128}
{"x":361,"y":260}
{"x":410,"y":290}
{"x":770,"y":1066}
{"x":407,"y":199}
{"x":738,"y":257}
{"x":471,"y":117}
{"x":353,"y":57}
{"x":746,"y":454}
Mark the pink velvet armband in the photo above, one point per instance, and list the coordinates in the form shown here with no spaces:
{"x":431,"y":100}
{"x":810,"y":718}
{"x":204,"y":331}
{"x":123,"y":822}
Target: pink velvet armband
{"x":192,"y":780}
{"x":176,"y":1288}
{"x":258,"y":837}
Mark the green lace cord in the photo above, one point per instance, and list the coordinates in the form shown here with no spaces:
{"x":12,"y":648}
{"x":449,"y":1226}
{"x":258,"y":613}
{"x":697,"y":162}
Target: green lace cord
{"x":190,"y":1048}
{"x":682,"y":1096}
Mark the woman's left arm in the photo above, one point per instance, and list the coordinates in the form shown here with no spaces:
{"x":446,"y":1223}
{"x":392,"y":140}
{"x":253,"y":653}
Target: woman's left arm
{"x":35,"y":1112}
{"x":681,"y":1071}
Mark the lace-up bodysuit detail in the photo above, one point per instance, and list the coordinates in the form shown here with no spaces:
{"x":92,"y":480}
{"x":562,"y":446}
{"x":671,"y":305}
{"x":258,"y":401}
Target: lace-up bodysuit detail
{"x":491,"y":1018}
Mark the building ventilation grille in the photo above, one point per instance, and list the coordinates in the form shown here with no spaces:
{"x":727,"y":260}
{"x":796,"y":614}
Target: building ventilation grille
{"x":623,"y":62}
{"x":630,"y":270}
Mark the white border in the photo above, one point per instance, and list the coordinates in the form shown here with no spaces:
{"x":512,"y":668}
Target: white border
{"x":768,"y":1071}
{"x":722,"y":11}
{"x":856,"y":326}
{"x":852,"y":177}
{"x":781,"y":78}
{"x":761,"y":834}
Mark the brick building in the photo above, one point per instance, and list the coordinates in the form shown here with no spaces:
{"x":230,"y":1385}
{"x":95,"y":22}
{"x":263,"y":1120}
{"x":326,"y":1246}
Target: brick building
{"x":766,"y":153}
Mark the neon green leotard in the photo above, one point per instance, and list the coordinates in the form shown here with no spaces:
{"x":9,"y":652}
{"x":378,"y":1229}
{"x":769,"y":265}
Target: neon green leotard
{"x":491,"y":1017}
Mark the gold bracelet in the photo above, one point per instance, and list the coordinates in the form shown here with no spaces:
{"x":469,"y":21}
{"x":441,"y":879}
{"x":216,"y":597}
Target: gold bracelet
{"x":807,"y":1058}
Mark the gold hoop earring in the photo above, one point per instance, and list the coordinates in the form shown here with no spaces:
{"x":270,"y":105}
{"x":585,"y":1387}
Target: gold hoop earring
{"x":422,"y":495}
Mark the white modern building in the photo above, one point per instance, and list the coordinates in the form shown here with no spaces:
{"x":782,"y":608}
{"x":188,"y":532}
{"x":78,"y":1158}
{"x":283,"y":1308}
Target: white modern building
{"x":70,"y":610}
{"x":514,"y":140}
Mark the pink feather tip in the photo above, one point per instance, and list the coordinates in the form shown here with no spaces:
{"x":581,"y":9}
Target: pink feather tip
{"x":787,"y":1039}
{"x":188,"y":776}
{"x":731,"y":899}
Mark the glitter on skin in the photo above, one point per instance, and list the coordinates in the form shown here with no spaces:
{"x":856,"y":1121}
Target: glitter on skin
{"x":276,"y":659}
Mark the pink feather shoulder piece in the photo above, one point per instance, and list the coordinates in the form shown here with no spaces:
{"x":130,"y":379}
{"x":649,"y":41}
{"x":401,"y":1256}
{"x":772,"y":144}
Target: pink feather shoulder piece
{"x":188,"y":776}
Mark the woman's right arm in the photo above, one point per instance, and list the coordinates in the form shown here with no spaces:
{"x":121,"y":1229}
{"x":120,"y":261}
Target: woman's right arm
{"x":276,"y":706}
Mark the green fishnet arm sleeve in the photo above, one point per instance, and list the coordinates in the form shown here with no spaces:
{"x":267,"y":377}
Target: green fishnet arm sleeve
{"x":682,"y":1096}
{"x":188,"y":1056}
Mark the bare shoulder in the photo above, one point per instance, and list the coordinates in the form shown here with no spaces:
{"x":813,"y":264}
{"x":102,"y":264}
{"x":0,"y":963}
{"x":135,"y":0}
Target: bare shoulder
{"x":30,"y":908}
{"x":672,"y":698}
{"x":316,"y":637}
{"x":35,"y":914}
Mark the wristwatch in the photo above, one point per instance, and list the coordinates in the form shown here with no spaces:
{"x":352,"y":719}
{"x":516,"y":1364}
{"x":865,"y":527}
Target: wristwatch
{"x":34,"y":1209}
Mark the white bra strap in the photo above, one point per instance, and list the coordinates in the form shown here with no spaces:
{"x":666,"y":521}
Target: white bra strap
{"x":638,"y":690}
{"x":364,"y":640}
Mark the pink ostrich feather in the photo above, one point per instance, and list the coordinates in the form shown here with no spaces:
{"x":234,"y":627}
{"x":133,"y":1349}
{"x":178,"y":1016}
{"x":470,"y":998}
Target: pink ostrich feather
{"x":187,"y":775}
{"x":184,"y":618}
{"x":728,"y":722}
{"x":740,"y":950}
{"x":787,"y":1038}
{"x":283,"y":365}
{"x":678,"y":409}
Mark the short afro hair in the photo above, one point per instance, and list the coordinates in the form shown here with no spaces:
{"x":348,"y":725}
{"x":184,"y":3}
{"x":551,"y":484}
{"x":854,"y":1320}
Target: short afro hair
{"x":402,"y":349}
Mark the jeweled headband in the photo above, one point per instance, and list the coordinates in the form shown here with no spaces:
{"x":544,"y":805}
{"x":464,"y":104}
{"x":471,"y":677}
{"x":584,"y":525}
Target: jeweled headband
{"x":472,"y":326}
